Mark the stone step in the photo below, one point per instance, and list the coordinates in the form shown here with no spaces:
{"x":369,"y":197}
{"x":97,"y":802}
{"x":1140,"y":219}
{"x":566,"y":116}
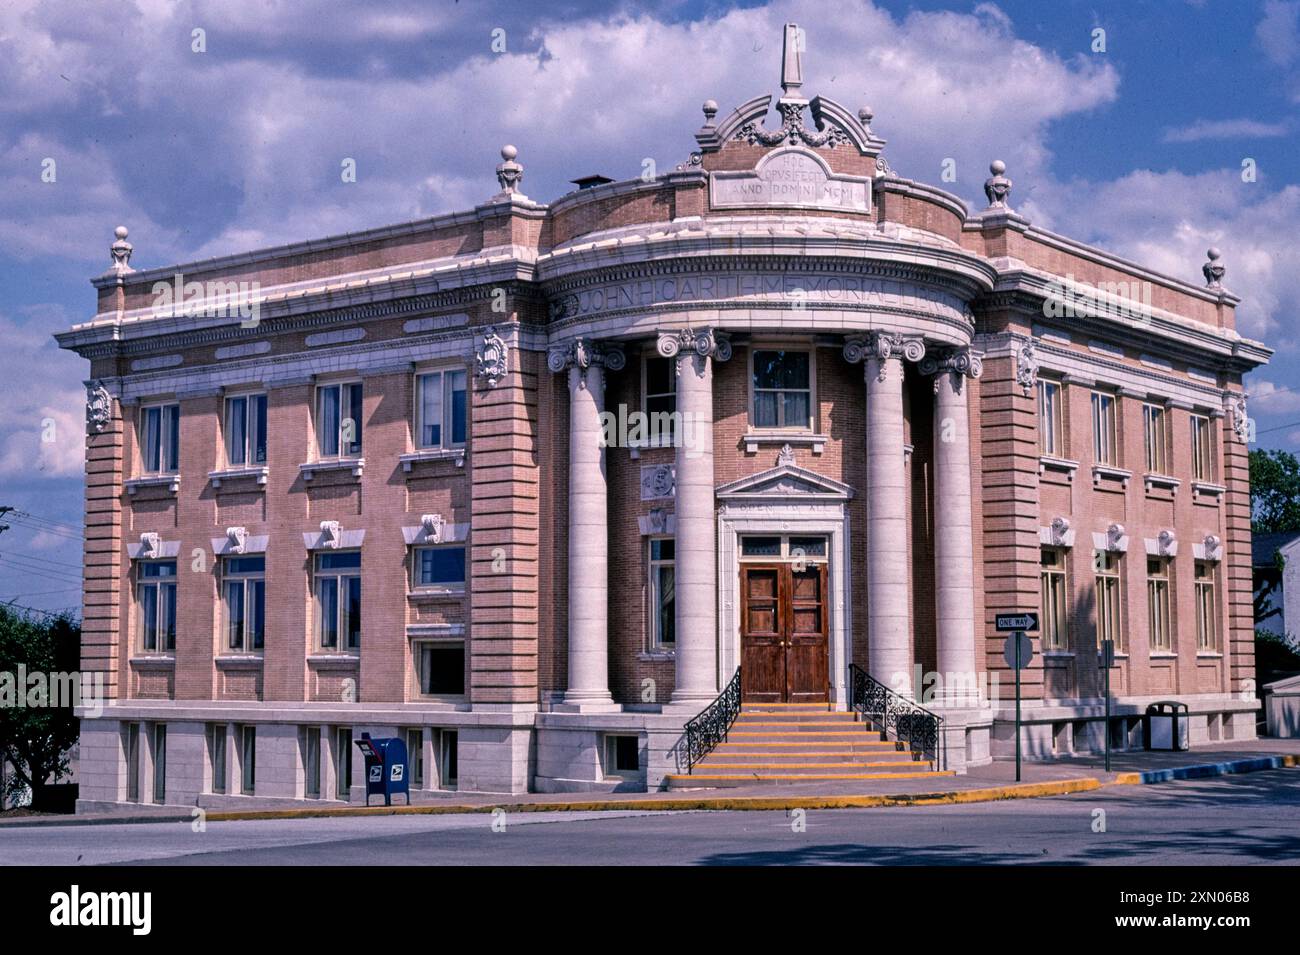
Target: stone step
{"x":709,"y":768}
{"x":799,"y":726}
{"x":717,"y":781}
{"x":820,"y":716}
{"x":799,"y":755}
{"x":798,"y":737}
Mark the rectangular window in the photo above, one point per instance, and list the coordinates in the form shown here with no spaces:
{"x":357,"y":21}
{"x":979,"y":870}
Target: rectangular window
{"x":441,"y":667}
{"x":663,"y":633}
{"x":160,"y":434}
{"x":1154,"y":422}
{"x":155,"y":596}
{"x":132,"y":745}
{"x":243,"y":596}
{"x":447,"y":759}
{"x":782,"y":390}
{"x":1110,"y":618}
{"x":338,"y":420}
{"x":441,"y":409}
{"x":1051,"y":422}
{"x":311,"y":761}
{"x":1105,"y":436}
{"x":1207,"y":614}
{"x":338,"y":600}
{"x":343,"y":762}
{"x":1202,"y":449}
{"x":439,"y":568}
{"x":160,"y":763}
{"x":217,"y":754}
{"x":1055,"y":631}
{"x":659,"y":397}
{"x":248,"y":760}
{"x":246,"y":430}
{"x":415,"y":757}
{"x":622,"y":755}
{"x":1158,"y":610}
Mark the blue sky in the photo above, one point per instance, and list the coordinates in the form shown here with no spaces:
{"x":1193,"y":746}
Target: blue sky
{"x":1138,"y":148}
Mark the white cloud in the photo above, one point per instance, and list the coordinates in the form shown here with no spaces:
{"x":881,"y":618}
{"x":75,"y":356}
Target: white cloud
{"x":42,"y":414}
{"x":1278,"y":33}
{"x":1204,"y":129}
{"x":1270,"y":398}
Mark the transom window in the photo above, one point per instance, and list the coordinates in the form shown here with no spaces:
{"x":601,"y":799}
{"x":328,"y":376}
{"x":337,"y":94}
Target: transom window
{"x":782,"y":389}
{"x":1207,"y":615}
{"x":1105,"y":431}
{"x":338,"y":600}
{"x":774,"y":548}
{"x":441,"y":409}
{"x":439,"y":567}
{"x":1202,"y":449}
{"x":243,"y":596}
{"x":1110,"y":618}
{"x":338,"y":420}
{"x":1159,"y":622}
{"x":156,"y":603}
{"x":246,"y":430}
{"x":160,"y":438}
{"x":659,"y":397}
{"x":663,"y":593}
{"x":1051,"y":421}
{"x":1154,"y":424}
{"x":1055,"y":629}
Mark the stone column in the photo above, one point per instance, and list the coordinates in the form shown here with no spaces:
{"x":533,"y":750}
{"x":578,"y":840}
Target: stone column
{"x":954,"y":573}
{"x":889,"y":633}
{"x":585,"y":363}
{"x":696,"y":553}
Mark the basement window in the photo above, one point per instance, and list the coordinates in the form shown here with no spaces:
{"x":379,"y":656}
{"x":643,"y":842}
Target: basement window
{"x":622,"y":755}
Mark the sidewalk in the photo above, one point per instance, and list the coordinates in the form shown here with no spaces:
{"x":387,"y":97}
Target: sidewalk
{"x":981,"y":784}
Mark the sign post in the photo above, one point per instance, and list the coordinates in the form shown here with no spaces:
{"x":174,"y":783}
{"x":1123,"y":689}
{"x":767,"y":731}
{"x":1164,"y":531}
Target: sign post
{"x":1019,"y":650}
{"x":1107,"y":661}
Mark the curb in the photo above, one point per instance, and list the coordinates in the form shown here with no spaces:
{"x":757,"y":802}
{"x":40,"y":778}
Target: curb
{"x":1208,"y":770}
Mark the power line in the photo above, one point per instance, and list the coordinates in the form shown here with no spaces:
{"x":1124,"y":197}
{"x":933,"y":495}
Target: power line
{"x":53,"y":530}
{"x":45,"y":520}
{"x":43,"y":560}
{"x":66,"y":612}
{"x":39,"y":571}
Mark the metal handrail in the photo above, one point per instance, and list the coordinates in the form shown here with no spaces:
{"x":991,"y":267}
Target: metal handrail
{"x":895,"y":714}
{"x":713,"y":724}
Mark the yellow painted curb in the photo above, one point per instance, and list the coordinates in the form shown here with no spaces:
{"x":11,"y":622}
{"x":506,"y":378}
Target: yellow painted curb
{"x":1285,"y":761}
{"x":1021,"y":791}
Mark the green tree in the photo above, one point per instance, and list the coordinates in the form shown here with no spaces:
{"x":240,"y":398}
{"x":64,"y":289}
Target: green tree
{"x":35,"y":740}
{"x":1274,"y":492}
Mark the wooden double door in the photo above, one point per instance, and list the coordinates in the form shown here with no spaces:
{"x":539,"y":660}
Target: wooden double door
{"x":783,"y":633}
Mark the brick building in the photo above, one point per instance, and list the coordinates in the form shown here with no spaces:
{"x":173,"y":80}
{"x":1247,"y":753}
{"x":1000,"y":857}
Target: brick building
{"x":398,"y":481}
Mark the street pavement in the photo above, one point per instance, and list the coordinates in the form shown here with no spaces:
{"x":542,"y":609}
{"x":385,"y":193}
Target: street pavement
{"x":1250,"y":819}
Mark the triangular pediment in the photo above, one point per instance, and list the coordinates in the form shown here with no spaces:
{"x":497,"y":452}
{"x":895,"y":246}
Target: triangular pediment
{"x":784,"y":481}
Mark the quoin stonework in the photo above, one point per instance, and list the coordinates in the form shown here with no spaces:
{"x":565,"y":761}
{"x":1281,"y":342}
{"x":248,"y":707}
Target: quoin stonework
{"x":392,"y":502}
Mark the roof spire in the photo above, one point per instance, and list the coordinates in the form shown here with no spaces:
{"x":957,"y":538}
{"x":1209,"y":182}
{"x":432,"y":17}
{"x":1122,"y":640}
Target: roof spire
{"x":792,"y":61}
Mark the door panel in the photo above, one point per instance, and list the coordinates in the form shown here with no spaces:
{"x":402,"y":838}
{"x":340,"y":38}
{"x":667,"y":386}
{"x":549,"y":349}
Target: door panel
{"x":807,"y":676}
{"x":784,"y":633}
{"x":761,"y":652}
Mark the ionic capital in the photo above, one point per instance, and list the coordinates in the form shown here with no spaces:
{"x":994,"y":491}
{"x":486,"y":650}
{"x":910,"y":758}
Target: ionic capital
{"x":880,"y":347}
{"x":583,"y":353}
{"x":705,"y":342}
{"x":962,"y":362}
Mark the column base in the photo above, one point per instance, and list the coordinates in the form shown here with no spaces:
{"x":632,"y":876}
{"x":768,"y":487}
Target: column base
{"x":588,"y":704}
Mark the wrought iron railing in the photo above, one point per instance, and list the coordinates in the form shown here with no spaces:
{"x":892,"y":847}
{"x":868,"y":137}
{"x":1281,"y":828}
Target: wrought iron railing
{"x":901,"y":719}
{"x":712,"y":725}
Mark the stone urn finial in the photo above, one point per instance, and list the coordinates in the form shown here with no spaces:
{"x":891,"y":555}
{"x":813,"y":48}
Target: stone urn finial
{"x":509,"y":172}
{"x":710,"y":108}
{"x":121,"y":251}
{"x":998,"y":187}
{"x":1213,"y":270}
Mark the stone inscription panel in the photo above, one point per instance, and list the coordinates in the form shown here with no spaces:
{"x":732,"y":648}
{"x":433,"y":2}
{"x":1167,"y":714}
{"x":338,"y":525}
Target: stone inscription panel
{"x":791,"y":177}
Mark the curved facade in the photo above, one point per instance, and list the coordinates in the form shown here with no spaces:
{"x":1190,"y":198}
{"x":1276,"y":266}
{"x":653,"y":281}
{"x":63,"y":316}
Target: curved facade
{"x":529,"y":483}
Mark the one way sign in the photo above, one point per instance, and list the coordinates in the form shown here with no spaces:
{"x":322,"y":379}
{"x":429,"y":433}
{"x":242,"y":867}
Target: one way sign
{"x":1008,"y":622}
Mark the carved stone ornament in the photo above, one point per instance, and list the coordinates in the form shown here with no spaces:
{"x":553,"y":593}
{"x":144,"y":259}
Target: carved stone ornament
{"x":121,"y":251}
{"x":150,"y":545}
{"x":432,"y":524}
{"x":882,"y":346}
{"x":99,"y":407}
{"x":1166,"y":543}
{"x":785,"y":457}
{"x":658,"y":520}
{"x":237,"y":539}
{"x":1115,"y":535}
{"x":962,"y":362}
{"x":1214,"y":269}
{"x":1027,"y":367}
{"x":509,"y":173}
{"x":492,"y":358}
{"x":997,"y":188}
{"x":705,"y":342}
{"x":583,"y":353}
{"x":657,"y":480}
{"x":1060,"y":530}
{"x":1212,"y":543}
{"x":331,"y":534}
{"x":1236,"y":405}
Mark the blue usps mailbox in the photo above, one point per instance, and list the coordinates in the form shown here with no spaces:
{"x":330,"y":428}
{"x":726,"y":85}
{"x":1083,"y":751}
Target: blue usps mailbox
{"x":386,"y":767}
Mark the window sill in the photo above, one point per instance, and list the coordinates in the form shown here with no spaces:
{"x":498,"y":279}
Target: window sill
{"x":333,"y":659}
{"x":236,"y":661}
{"x":231,"y":474}
{"x":1110,"y":473}
{"x":1058,"y":654}
{"x":355,"y":465}
{"x":1209,"y":655}
{"x":1208,"y":489}
{"x":753,"y":440}
{"x":159,"y":660}
{"x":1164,"y":656}
{"x":1161,"y":480}
{"x":427,"y":455}
{"x":651,"y":656}
{"x":170,"y":481}
{"x":434,"y":594}
{"x":1050,"y":462}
